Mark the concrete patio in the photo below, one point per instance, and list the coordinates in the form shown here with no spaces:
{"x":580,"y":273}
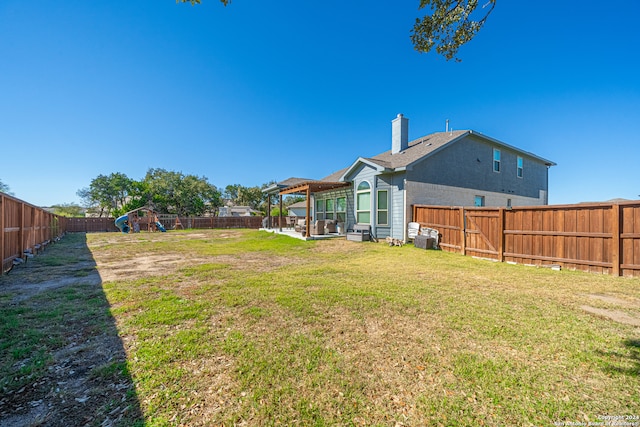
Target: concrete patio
{"x":297,"y":235}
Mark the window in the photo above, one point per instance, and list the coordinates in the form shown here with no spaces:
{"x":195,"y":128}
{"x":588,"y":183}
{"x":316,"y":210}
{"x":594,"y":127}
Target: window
{"x":363,"y":203}
{"x":479,"y":201}
{"x":341,"y":209}
{"x":383,"y":207}
{"x":519,"y":170}
{"x":508,"y":203}
{"x":496,"y":160}
{"x":319,"y":209}
{"x":328,"y":211}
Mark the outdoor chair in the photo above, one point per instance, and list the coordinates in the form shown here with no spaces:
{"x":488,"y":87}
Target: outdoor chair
{"x":291,"y":221}
{"x":330,"y":226}
{"x":317,"y":227}
{"x":413,"y":229}
{"x":359,"y":233}
{"x":301,"y":226}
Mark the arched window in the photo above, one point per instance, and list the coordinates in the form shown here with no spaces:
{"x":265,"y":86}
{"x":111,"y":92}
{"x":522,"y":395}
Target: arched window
{"x":363,"y":203}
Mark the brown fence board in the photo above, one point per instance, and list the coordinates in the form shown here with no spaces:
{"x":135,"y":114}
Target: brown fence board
{"x":92,"y":225}
{"x":599,"y":237}
{"x":23,"y":227}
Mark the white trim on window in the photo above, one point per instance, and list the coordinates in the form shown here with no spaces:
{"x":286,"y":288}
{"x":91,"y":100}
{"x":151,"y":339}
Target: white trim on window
{"x":319,"y":209}
{"x":496,"y":160}
{"x":382,"y":211}
{"x":520,"y":167}
{"x":363,"y":203}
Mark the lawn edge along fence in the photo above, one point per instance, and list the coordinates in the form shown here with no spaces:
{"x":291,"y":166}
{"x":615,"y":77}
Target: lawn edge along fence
{"x":91,"y":225}
{"x":595,"y":237}
{"x":25,"y":229}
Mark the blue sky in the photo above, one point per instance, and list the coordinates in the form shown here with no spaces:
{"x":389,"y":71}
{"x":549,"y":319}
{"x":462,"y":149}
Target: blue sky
{"x":260,"y":91}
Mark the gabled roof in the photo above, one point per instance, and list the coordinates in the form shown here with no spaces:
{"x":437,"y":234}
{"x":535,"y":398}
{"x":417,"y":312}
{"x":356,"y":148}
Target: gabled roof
{"x":422,"y":148}
{"x":275,"y":188}
{"x":334,"y":177}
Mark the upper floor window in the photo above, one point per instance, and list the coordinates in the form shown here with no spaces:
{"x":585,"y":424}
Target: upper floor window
{"x":520,"y":167}
{"x":496,"y":160}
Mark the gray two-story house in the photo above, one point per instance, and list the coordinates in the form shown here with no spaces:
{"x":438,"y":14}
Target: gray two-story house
{"x":452,"y":168}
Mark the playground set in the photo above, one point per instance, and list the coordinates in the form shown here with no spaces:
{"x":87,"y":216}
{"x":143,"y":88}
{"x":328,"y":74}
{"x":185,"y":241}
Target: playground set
{"x":137,"y":219}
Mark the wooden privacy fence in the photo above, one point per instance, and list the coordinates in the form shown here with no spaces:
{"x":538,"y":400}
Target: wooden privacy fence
{"x":90,"y":225}
{"x":599,"y":237}
{"x":25,"y":227}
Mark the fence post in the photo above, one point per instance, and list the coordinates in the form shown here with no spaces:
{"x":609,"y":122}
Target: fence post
{"x":1,"y":234}
{"x":463,"y":232}
{"x":501,"y":236}
{"x":615,"y":239}
{"x":21,"y":231}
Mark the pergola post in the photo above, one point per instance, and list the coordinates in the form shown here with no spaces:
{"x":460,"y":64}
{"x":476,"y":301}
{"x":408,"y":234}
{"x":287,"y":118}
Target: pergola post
{"x":308,"y":218}
{"x":280,"y":219}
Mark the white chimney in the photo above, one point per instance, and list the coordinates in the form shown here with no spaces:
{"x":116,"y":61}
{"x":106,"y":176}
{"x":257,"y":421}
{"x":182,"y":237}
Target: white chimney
{"x":399,"y":134}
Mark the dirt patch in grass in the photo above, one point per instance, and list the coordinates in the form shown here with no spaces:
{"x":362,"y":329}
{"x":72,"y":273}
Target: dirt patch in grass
{"x":62,"y":362}
{"x":613,"y":309}
{"x":615,"y":315}
{"x":268,"y":332}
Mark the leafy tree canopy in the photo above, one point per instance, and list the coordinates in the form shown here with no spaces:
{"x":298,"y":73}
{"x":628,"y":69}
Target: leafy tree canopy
{"x":240,"y":195}
{"x":166,"y":191}
{"x":449,"y":25}
{"x":68,"y":209}
{"x":108,"y":193}
{"x":174,"y":192}
{"x":4,"y":188}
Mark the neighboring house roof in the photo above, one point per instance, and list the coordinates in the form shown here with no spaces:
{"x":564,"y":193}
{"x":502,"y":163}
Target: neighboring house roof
{"x":238,"y":210}
{"x":298,"y":205}
{"x":419,"y":149}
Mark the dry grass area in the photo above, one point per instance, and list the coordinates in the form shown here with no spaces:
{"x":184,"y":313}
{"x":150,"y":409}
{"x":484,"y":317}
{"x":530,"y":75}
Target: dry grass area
{"x":237,"y":327}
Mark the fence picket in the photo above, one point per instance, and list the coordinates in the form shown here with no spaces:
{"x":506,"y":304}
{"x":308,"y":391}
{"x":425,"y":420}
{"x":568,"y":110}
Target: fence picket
{"x":598,"y":237}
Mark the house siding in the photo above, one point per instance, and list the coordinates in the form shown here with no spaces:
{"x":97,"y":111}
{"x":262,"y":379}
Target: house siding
{"x":468,"y":164}
{"x":420,"y":193}
{"x":395,"y":184}
{"x":347,"y":193}
{"x":363,"y":173}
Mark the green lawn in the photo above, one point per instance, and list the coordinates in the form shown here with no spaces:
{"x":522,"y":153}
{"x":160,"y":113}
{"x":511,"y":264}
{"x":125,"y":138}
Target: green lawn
{"x":238,"y":326}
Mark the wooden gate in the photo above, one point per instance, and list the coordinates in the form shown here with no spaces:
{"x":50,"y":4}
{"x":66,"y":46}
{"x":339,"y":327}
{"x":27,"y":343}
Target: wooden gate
{"x":483,"y":233}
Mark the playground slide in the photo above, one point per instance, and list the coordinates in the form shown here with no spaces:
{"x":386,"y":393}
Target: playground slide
{"x":121,"y":223}
{"x":160,"y":226}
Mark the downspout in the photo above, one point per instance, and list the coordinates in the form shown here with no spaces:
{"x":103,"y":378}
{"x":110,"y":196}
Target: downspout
{"x":546,"y":194}
{"x":374,"y":208}
{"x":405,"y":237}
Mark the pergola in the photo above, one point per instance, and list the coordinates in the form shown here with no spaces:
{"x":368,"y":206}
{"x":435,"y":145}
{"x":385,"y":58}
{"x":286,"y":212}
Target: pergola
{"x":306,"y":188}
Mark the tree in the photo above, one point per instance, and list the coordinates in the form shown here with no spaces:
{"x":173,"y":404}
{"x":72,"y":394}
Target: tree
{"x":451,"y":24}
{"x":108,"y":194}
{"x":68,"y":209}
{"x":4,"y":188}
{"x":240,"y":195}
{"x":176,"y":193}
{"x":231,"y":192}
